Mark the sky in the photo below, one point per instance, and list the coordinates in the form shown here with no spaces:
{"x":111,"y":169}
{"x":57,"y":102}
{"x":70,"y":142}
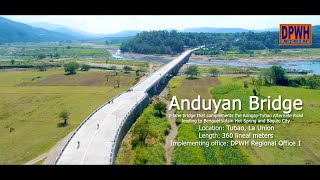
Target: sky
{"x":115,"y":23}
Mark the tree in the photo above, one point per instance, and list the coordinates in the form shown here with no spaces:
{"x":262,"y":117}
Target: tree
{"x":253,"y":80}
{"x":161,"y":107}
{"x":214,"y":71}
{"x":140,"y":132}
{"x":114,"y":68}
{"x":41,"y":67}
{"x":68,"y":47}
{"x":278,"y":75}
{"x":245,"y":84}
{"x":85,"y":67}
{"x":192,"y":70}
{"x":65,"y":116}
{"x":41,"y":56}
{"x":127,"y":69}
{"x":71,"y":67}
{"x":254,"y":92}
{"x":12,"y":61}
{"x":107,"y":42}
{"x":266,"y":75}
{"x":137,"y":73}
{"x":258,"y":84}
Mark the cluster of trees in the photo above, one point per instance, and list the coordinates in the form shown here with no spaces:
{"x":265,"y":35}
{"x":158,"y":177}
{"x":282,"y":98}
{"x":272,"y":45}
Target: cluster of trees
{"x":312,"y":82}
{"x":275,"y":75}
{"x":155,"y":42}
{"x":194,"y":71}
{"x":72,"y":67}
{"x":172,"y":42}
{"x":85,"y":67}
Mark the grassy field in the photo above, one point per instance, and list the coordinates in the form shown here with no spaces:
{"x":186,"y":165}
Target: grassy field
{"x":190,"y":89}
{"x":144,"y":143}
{"x":285,"y":53}
{"x":50,"y":49}
{"x":305,"y":129}
{"x":121,"y":62}
{"x":31,"y":108}
{"x":228,"y":70}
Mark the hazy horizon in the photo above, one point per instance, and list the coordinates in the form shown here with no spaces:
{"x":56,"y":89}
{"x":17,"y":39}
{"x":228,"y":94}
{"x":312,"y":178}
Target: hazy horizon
{"x":107,"y":24}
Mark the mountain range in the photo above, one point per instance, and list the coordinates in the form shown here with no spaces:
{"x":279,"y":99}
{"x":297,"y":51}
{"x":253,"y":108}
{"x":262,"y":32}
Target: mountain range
{"x":11,"y":31}
{"x":75,"y":33}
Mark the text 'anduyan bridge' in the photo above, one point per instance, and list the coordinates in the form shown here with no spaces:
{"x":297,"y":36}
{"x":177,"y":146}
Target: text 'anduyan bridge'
{"x":255,"y":103}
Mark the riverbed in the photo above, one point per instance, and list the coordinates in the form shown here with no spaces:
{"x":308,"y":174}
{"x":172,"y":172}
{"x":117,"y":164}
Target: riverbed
{"x":300,"y":65}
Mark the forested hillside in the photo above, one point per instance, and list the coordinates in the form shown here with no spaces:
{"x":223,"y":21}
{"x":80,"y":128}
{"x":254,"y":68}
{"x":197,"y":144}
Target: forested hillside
{"x":172,"y":42}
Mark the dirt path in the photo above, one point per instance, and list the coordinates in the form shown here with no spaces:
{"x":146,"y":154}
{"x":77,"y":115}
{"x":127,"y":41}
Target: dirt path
{"x":174,"y":128}
{"x":50,"y":156}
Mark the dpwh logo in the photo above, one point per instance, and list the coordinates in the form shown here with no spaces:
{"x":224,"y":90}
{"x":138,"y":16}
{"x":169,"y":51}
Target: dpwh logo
{"x":295,"y":35}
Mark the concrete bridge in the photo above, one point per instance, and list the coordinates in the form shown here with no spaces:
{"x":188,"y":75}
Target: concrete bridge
{"x":100,"y":145}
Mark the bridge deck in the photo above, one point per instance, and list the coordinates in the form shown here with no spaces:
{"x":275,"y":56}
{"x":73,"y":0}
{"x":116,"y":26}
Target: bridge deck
{"x":96,"y":145}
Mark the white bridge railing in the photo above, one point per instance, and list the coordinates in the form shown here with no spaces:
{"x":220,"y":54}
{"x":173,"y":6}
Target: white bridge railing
{"x":115,"y":141}
{"x":77,"y":129}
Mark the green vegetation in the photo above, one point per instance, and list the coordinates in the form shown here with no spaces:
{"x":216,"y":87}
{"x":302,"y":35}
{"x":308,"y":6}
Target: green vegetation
{"x":85,"y":67}
{"x":144,"y":143}
{"x":12,"y":31}
{"x":127,"y":69}
{"x":214,"y":71}
{"x":275,"y":75}
{"x":71,"y":67}
{"x":190,"y":88}
{"x":311,"y":82}
{"x":65,"y":116}
{"x":172,"y":42}
{"x":229,"y":70}
{"x":32,"y":108}
{"x":192,"y":71}
{"x":232,"y":89}
{"x":305,"y":129}
{"x":160,"y":107}
{"x":295,"y":53}
{"x":122,"y":62}
{"x":58,"y":52}
{"x":42,"y":67}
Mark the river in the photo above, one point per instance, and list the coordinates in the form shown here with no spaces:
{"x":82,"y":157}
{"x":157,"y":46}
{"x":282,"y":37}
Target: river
{"x":305,"y":65}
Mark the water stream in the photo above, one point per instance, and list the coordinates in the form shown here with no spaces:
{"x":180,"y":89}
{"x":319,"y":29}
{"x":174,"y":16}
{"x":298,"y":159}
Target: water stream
{"x":305,"y":65}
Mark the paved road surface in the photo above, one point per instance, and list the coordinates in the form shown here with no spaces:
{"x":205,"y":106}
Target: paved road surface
{"x":96,"y":145}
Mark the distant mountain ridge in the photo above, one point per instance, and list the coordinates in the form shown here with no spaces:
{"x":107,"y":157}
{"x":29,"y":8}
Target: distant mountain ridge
{"x":126,"y":33}
{"x":11,"y":31}
{"x":77,"y":34}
